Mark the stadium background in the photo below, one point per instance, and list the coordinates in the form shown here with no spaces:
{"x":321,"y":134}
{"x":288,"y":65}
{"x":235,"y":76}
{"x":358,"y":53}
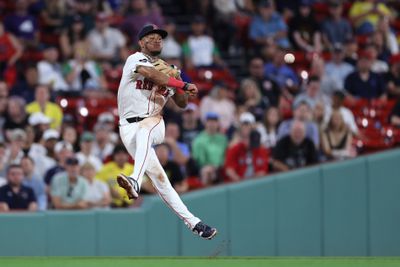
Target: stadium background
{"x":339,"y":209}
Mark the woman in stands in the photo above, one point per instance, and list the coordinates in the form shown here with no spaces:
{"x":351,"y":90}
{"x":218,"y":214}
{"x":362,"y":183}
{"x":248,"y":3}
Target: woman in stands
{"x":337,"y":138}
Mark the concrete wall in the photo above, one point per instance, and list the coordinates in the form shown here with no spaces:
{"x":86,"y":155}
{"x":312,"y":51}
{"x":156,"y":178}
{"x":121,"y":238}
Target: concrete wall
{"x":351,"y":208}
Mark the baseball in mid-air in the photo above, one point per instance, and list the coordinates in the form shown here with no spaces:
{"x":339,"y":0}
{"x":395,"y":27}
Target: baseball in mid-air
{"x":289,"y":58}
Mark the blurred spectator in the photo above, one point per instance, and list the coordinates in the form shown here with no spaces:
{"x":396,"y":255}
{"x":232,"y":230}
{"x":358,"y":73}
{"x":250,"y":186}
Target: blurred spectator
{"x":269,"y":89}
{"x":295,"y":150}
{"x":171,"y":47}
{"x":74,"y":33}
{"x":85,"y":10}
{"x":69,"y":134}
{"x":15,"y":117}
{"x":50,"y":70}
{"x":179,"y":151}
{"x":109,"y":172}
{"x":139,"y":14}
{"x":69,"y":189}
{"x":200,"y":49}
{"x":378,"y":66}
{"x":336,"y":29}
{"x":52,"y":16}
{"x":365,"y":15}
{"x":336,"y":140}
{"x":35,"y":182}
{"x":304,"y":30}
{"x":43,"y":155}
{"x":97,"y":194}
{"x":3,"y":162}
{"x":249,"y":96}
{"x":50,"y":138}
{"x":23,"y":25}
{"x":102,"y":147}
{"x":279,"y":71}
{"x":14,"y":152}
{"x":191,"y":126}
{"x":171,"y":168}
{"x":388,"y":39}
{"x":268,"y":128}
{"x":377,"y":39}
{"x":394,"y":117}
{"x":302,"y":112}
{"x":40,"y":124}
{"x":267,"y":26}
{"x":350,"y":51}
{"x":108,"y":120}
{"x":106,"y":44}
{"x":25,"y":86}
{"x":208,"y":149}
{"x":81,"y":72}
{"x":42,"y":104}
{"x":10,"y":50}
{"x":218,"y":101}
{"x":247,"y":123}
{"x":347,"y":115}
{"x":246,"y":159}
{"x":85,"y":154}
{"x":63,"y":151}
{"x":363,"y":83}
{"x":14,"y":195}
{"x":393,"y":77}
{"x":336,"y":69}
{"x":312,"y":94}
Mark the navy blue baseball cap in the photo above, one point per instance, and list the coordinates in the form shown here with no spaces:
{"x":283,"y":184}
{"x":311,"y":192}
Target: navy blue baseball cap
{"x":151,"y":28}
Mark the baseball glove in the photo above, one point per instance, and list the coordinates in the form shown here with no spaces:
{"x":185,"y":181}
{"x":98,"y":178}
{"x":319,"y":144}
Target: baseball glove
{"x":164,"y":67}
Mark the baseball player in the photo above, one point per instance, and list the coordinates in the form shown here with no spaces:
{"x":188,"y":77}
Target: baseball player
{"x":146,"y":85}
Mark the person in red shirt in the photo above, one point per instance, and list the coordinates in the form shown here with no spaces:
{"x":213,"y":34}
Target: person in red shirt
{"x":10,"y":50}
{"x":246,"y":159}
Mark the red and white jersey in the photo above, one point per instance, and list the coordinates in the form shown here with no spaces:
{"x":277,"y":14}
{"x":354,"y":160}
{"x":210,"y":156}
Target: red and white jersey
{"x":138,"y":96}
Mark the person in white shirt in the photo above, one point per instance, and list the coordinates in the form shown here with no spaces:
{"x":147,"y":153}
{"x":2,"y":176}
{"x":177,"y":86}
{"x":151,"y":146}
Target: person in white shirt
{"x":50,"y":71}
{"x":98,"y":193}
{"x":85,"y":155}
{"x":337,"y":69}
{"x":106,"y":43}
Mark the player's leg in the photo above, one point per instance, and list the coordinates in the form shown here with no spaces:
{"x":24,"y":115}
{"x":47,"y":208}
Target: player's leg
{"x":146,"y":132}
{"x":168,"y":194}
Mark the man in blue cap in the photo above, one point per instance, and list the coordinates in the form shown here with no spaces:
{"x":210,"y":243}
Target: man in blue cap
{"x":142,"y":94}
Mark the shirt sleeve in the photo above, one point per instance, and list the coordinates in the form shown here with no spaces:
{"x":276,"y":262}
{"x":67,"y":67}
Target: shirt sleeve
{"x":31,"y":195}
{"x":137,"y":59}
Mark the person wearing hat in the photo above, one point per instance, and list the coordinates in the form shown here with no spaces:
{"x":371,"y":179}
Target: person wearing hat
{"x":200,"y":49}
{"x":337,"y":69}
{"x":208,"y":149}
{"x":50,"y":138}
{"x":191,"y":125}
{"x":393,"y":77}
{"x":142,"y":94}
{"x":43,"y":104}
{"x":247,"y":123}
{"x":268,"y":27}
{"x":106,"y":44}
{"x":85,"y":154}
{"x":363,"y":82}
{"x":50,"y":70}
{"x":335,"y":29}
{"x":68,"y":189}
{"x":62,"y":151}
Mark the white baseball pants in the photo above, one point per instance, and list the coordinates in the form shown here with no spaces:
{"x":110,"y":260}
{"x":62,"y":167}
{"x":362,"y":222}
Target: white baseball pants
{"x":138,"y":139}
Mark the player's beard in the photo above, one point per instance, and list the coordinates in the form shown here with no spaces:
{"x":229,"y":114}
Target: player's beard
{"x":155,"y":53}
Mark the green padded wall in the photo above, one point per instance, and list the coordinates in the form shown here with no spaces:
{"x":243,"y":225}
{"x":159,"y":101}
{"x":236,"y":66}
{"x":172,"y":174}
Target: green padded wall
{"x":299,"y":213}
{"x":252,"y":217}
{"x":212,"y":207}
{"x":22,"y":234}
{"x":384,"y":188}
{"x":71,"y":233}
{"x":345,"y":208}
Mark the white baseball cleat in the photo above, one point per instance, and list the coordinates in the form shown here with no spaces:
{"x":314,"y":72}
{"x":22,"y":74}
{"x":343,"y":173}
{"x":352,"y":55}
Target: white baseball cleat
{"x":129,"y":184}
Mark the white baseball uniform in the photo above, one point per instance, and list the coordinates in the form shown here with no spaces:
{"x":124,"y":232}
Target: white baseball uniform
{"x":139,"y":97}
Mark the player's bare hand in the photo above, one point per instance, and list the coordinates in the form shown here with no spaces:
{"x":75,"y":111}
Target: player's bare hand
{"x":192,"y":89}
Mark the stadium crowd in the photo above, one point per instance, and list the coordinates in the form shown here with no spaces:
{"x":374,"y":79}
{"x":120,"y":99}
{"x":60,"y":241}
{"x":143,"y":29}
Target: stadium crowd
{"x":283,"y":85}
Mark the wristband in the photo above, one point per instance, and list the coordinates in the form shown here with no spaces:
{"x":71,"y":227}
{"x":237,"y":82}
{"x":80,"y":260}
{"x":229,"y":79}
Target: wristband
{"x":172,"y":82}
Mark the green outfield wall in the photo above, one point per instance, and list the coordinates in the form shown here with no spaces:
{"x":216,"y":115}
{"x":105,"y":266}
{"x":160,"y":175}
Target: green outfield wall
{"x":350,"y":208}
